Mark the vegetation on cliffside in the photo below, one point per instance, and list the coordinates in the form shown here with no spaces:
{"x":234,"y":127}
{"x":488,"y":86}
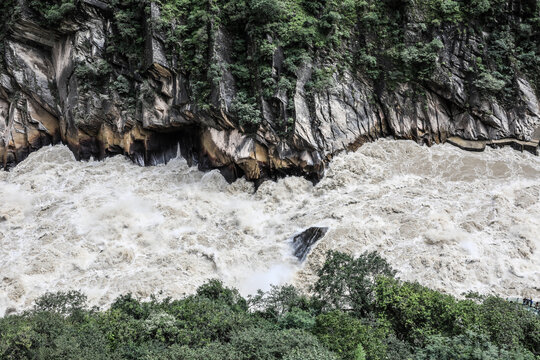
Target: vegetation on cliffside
{"x":8,"y":11}
{"x":358,"y":310}
{"x":269,"y":42}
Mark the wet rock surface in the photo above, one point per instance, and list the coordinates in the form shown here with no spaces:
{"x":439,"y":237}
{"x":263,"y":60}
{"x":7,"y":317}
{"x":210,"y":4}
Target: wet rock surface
{"x":303,"y":242}
{"x":46,"y":97}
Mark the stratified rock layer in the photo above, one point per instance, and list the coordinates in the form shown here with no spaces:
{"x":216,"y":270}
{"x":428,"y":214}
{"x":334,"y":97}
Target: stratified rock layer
{"x":44,"y":99}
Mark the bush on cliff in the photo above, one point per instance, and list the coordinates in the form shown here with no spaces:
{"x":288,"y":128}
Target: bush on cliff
{"x":53,"y":11}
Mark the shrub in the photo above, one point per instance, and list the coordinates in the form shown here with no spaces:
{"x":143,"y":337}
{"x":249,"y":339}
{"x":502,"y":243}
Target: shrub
{"x":269,"y":343}
{"x":212,"y":351}
{"x":416,"y":311}
{"x":405,"y":321}
{"x":469,"y":346}
{"x":490,"y":82}
{"x":311,"y":353}
{"x":201,"y":320}
{"x":214,"y":290}
{"x":64,"y":303}
{"x":510,"y":325}
{"x":277,"y":302}
{"x":348,"y":284}
{"x":297,"y":319}
{"x":349,"y":337}
{"x":17,"y":338}
{"x":246,"y":110}
{"x":52,"y":12}
{"x":122,"y":86}
{"x":267,"y":10}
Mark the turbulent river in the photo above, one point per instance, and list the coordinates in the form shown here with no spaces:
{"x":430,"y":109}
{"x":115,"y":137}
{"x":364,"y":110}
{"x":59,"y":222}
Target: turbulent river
{"x":450,"y":219}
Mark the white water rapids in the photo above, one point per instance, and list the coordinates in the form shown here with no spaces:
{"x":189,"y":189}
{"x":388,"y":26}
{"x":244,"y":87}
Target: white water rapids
{"x":450,"y":219}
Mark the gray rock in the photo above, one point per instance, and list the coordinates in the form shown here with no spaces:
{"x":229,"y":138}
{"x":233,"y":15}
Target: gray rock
{"x":44,"y":99}
{"x":33,"y":72}
{"x":303,"y":243}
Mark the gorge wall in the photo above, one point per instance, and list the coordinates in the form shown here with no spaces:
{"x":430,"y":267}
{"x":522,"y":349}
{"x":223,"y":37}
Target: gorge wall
{"x":67,"y":75}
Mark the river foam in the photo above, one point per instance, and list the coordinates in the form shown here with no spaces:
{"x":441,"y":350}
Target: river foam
{"x":452,"y":220}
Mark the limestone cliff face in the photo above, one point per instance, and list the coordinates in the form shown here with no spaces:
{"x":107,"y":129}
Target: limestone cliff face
{"x":46,"y":98}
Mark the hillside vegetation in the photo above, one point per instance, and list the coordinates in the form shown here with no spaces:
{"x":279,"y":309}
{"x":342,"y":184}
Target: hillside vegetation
{"x":358,"y":310}
{"x":385,"y":42}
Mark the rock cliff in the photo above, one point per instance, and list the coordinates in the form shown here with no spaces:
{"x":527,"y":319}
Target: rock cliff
{"x":61,"y":83}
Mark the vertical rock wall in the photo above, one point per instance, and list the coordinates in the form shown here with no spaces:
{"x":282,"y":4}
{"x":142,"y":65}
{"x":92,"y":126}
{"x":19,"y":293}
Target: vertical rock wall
{"x":59,"y":85}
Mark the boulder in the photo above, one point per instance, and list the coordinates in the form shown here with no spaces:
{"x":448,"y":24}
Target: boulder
{"x":303,"y":242}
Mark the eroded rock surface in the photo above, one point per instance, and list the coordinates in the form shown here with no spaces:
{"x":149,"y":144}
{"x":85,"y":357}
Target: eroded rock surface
{"x":51,"y":91}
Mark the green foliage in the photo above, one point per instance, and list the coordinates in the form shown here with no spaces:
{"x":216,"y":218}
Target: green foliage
{"x":278,"y":301}
{"x":122,"y":86}
{"x":391,"y":52}
{"x":311,"y":353}
{"x":246,"y":111}
{"x":51,"y":12}
{"x":212,"y":351}
{"x":259,"y":47}
{"x":270,"y":39}
{"x":216,"y":291}
{"x":479,"y":7}
{"x":510,"y":325}
{"x":404,"y":321}
{"x":64,"y":303}
{"x":359,"y":353}
{"x":348,"y":284}
{"x":127,"y":38}
{"x":202,"y":320}
{"x":297,"y":319}
{"x":9,"y":11}
{"x":320,"y":79}
{"x":416,"y":311}
{"x":269,"y":343}
{"x":468,"y":346}
{"x":397,"y":349}
{"x":96,"y":74}
{"x":190,"y":39}
{"x":269,"y":10}
{"x":421,"y":61}
{"x":438,"y":12}
{"x":348,"y":337}
{"x":490,"y":82}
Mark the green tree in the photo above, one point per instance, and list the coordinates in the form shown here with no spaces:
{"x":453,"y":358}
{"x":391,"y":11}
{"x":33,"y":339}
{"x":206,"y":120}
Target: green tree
{"x":267,"y":343}
{"x":348,"y":284}
{"x":417,"y":312}
{"x":349,"y":337}
{"x":278,"y":301}
{"x":468,"y":346}
{"x":51,"y":12}
{"x":510,"y":325}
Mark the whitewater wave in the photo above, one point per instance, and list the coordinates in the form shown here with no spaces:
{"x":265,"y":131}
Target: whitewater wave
{"x":452,"y":220}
